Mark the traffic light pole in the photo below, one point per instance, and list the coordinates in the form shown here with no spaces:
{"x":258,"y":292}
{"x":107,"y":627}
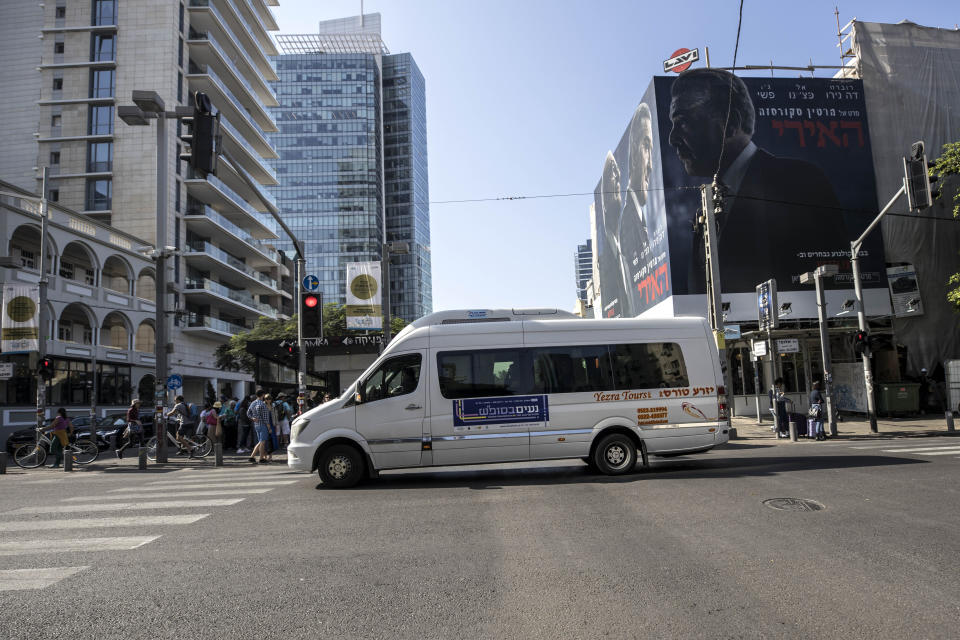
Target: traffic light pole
{"x":861,"y":315}
{"x":44,"y":317}
{"x":714,"y":293}
{"x":301,"y":269}
{"x":159,"y":422}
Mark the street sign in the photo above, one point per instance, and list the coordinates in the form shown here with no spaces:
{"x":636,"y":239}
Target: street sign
{"x":680,"y":60}
{"x":760,"y":348}
{"x":310,"y":283}
{"x":731,"y":331}
{"x":174,"y":382}
{"x":767,"y":305}
{"x":788,"y":345}
{"x":6,"y":370}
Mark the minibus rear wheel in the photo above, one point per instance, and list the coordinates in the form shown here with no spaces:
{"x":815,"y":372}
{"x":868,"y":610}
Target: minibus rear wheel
{"x":341,"y":466}
{"x":615,"y":454}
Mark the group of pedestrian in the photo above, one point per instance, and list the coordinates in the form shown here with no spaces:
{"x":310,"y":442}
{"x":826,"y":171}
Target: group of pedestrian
{"x":270,"y":420}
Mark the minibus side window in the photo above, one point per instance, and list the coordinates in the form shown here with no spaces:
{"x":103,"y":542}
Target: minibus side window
{"x":395,"y":377}
{"x":577,"y":369}
{"x":479,"y":374}
{"x":646,"y":366}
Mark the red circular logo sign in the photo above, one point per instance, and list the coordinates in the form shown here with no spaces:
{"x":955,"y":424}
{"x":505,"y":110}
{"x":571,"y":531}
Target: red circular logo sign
{"x":683,"y":67}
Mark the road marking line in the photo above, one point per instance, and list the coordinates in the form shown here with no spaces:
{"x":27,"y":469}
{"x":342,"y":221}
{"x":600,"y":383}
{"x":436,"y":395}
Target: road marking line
{"x":124,"y":506}
{"x":46,"y":546}
{"x":167,"y":494}
{"x":157,"y":486}
{"x":947,"y":452}
{"x":23,"y":579}
{"x":101,"y":523}
{"x":906,"y":446}
{"x":943,"y":450}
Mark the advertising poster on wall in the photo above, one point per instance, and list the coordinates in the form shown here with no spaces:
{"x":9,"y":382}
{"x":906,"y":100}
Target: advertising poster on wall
{"x":793,"y":158}
{"x":630,"y":223}
{"x":364,"y":310}
{"x":795,"y":161}
{"x":21,"y":318}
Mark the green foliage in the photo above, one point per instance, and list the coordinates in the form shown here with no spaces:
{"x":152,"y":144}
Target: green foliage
{"x":233,"y":356}
{"x":947,"y":165}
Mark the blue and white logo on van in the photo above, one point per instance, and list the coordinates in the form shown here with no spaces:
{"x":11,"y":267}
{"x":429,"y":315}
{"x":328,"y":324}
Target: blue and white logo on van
{"x":476,"y":314}
{"x":477,"y":412}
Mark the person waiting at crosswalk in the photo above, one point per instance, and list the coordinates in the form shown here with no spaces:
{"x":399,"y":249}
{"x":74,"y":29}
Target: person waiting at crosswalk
{"x":62,"y":429}
{"x":259,"y":414}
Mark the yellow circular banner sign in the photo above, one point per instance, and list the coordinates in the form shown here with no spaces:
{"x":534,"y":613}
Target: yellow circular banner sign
{"x":21,"y":309}
{"x":364,"y":287}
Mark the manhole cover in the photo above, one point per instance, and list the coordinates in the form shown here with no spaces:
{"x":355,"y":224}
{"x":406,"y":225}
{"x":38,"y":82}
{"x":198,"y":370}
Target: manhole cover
{"x":794,"y":504}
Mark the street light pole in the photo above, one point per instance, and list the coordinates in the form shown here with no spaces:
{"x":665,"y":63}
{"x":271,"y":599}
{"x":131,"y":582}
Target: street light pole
{"x":301,"y":269}
{"x":817,"y":277}
{"x":389,"y":249}
{"x":43,"y":314}
{"x":160,"y":427}
{"x":714,"y":292}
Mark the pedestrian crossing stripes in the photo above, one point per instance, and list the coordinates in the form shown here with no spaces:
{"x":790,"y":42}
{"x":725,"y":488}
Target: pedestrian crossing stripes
{"x":100,"y":523}
{"x":938,"y":447}
{"x":935,"y":451}
{"x":127,"y":506}
{"x":23,"y":579}
{"x":162,"y":493}
{"x":77,"y":545}
{"x":154,"y":486}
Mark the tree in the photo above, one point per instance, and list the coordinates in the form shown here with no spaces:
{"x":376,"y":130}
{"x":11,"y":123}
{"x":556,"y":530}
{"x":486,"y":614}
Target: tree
{"x":233,"y":356}
{"x":947,"y":165}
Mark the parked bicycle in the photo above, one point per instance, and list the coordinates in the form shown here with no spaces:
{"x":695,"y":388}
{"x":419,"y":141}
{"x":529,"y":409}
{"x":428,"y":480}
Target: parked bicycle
{"x":198,"y":446}
{"x":34,"y":454}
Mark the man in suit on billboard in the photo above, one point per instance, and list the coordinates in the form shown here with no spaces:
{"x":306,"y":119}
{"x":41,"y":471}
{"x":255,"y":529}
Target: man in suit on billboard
{"x":634,"y":241}
{"x":777,"y":210}
{"x":612,"y":292}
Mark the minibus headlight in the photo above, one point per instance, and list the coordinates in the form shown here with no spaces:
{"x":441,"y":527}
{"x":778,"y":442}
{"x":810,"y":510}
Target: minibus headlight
{"x":297,"y":427}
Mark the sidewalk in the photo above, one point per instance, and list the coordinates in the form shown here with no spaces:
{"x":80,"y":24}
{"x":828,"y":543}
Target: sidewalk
{"x":852,"y":428}
{"x":108,"y":462}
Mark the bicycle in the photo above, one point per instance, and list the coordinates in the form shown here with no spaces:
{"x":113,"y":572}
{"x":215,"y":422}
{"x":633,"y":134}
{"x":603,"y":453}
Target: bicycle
{"x":199,"y":446}
{"x":31,"y":455}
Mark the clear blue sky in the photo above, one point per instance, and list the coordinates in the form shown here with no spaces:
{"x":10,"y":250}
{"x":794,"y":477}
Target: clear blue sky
{"x":525,"y":97}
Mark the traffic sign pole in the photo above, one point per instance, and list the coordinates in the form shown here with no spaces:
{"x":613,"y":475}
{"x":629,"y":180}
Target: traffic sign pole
{"x":311,"y":283}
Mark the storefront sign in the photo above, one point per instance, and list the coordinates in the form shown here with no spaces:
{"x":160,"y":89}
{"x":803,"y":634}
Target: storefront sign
{"x":788,"y":345}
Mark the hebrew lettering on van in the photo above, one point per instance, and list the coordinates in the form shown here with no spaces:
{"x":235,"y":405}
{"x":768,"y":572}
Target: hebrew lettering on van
{"x":479,"y":413}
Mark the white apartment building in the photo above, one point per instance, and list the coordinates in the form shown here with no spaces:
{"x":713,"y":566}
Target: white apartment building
{"x":72,"y":63}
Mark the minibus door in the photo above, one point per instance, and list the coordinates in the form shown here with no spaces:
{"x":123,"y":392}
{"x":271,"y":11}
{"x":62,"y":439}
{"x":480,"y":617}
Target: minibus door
{"x":392,"y":409}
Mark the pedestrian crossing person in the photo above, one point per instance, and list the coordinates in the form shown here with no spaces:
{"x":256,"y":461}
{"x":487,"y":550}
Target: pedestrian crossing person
{"x":134,"y":428}
{"x":181,"y":413}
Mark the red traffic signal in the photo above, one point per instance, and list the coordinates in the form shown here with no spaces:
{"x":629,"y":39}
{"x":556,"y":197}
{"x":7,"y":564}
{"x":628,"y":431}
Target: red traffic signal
{"x":45,"y":368}
{"x":861,"y":343}
{"x":311,"y":314}
{"x":310,"y":301}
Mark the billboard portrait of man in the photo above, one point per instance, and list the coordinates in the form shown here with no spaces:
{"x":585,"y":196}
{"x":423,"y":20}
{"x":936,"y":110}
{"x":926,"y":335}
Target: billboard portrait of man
{"x":612,"y":292}
{"x":778,"y":210}
{"x":634,"y":240}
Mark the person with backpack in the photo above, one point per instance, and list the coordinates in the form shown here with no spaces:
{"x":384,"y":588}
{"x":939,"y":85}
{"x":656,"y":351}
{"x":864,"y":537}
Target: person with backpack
{"x":228,"y":423}
{"x":244,"y":426}
{"x":283,"y":414}
{"x":62,"y":429}
{"x":815,"y":415}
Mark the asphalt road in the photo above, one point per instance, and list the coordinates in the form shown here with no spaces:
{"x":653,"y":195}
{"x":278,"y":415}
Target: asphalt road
{"x":687,"y":549}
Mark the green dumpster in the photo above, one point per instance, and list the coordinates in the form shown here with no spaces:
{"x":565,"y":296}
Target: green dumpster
{"x":898,"y":397}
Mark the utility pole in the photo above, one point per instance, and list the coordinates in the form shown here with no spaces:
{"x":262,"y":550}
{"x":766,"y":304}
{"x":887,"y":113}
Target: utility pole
{"x":301,"y":270}
{"x":43,"y":315}
{"x":389,"y":249}
{"x":710,"y":196}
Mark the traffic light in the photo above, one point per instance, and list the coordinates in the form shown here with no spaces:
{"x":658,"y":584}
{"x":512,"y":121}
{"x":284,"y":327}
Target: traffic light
{"x":203,"y":137}
{"x":916,"y":178}
{"x":311,"y":312}
{"x":289,"y":347}
{"x":861,"y":343}
{"x":45,"y":368}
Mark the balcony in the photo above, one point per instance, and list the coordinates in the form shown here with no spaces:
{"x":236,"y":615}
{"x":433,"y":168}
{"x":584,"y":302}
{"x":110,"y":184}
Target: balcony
{"x":253,"y":122}
{"x":249,"y":15}
{"x":217,"y":293}
{"x":243,"y":151}
{"x":239,"y":180}
{"x":212,"y":190}
{"x":258,"y":45}
{"x":208,"y":222}
{"x":213,"y":327}
{"x":235,"y":31}
{"x":208,"y":257}
{"x":205,"y":48}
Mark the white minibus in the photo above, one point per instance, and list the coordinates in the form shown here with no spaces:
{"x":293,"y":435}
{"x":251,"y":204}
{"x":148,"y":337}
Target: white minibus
{"x":449,"y":390}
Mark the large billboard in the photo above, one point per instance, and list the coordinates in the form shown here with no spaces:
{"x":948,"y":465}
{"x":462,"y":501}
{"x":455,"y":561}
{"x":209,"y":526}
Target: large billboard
{"x":794,"y":158}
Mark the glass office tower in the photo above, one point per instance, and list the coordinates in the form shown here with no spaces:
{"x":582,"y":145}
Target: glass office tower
{"x":352,"y":161}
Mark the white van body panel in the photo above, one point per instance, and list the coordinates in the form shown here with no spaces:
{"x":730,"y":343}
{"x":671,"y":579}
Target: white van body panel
{"x":418,"y":428}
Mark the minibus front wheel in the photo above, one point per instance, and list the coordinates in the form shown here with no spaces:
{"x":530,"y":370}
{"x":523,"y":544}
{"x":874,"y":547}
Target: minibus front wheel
{"x":341,"y":466}
{"x":615,"y":454}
